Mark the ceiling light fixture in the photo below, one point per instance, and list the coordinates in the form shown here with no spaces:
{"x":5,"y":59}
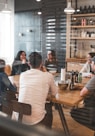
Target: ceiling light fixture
{"x":69,"y":9}
{"x":6,"y":9}
{"x":38,"y":0}
{"x":39,"y":12}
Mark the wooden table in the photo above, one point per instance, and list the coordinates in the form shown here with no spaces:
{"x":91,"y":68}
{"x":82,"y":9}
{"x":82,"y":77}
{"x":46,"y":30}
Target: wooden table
{"x":67,"y":97}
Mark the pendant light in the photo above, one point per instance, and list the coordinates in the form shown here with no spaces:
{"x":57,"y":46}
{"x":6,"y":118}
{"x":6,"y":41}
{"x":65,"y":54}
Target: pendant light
{"x":69,"y":9}
{"x":6,"y":9}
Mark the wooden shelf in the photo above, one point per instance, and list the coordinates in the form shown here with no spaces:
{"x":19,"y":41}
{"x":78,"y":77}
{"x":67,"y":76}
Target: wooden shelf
{"x":87,"y":26}
{"x":81,"y":38}
{"x":83,"y":15}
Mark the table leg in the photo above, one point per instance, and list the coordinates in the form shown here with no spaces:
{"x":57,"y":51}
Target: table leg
{"x":63,"y":120}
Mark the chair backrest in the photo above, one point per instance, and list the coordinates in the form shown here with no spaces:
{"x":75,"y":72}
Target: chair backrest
{"x":21,"y":108}
{"x":7,"y":106}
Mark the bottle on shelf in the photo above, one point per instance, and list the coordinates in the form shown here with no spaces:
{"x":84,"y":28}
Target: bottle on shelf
{"x":83,"y":21}
{"x":81,"y":10}
{"x":93,"y":9}
{"x":89,"y":9}
{"x":85,"y":10}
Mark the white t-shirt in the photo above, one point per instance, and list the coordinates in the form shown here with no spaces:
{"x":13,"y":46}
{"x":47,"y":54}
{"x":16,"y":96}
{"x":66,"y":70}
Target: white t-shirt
{"x":34,"y":88}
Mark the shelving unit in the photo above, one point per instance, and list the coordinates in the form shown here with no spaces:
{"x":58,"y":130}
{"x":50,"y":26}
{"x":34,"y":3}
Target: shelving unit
{"x":80,"y":38}
{"x":82,"y":32}
{"x":87,"y":26}
{"x":84,"y":15}
{"x":80,"y":44}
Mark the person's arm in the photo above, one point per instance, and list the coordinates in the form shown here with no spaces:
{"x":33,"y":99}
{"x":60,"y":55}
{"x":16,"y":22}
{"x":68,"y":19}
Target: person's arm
{"x":85,"y":68}
{"x":84,"y":92}
{"x":8,"y":84}
{"x":53,"y":87}
{"x":89,"y":87}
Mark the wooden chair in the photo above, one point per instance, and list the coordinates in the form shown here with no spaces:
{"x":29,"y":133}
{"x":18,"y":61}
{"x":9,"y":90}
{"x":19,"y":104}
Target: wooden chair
{"x":7,"y":105}
{"x":21,"y":108}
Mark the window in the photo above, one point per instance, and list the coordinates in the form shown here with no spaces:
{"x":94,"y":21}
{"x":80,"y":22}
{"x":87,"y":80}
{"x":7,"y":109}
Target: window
{"x":6,"y":47}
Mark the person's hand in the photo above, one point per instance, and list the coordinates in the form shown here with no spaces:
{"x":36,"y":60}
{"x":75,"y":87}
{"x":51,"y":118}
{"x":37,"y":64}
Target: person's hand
{"x":23,"y":61}
{"x":43,"y":68}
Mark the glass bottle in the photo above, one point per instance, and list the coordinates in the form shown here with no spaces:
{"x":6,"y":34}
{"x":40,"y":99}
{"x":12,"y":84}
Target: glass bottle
{"x":85,"y":10}
{"x":93,"y":9}
{"x":80,"y":78}
{"x":81,"y":10}
{"x":76,"y":76}
{"x":89,"y":9}
{"x":72,"y":80}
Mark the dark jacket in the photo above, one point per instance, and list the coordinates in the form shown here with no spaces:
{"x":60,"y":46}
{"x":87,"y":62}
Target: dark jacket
{"x":18,"y":67}
{"x":5,"y":85}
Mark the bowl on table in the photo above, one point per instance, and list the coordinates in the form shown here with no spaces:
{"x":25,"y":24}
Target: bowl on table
{"x":62,"y":85}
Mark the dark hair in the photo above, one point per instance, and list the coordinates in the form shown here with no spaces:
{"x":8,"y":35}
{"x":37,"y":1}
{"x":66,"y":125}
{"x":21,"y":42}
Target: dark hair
{"x":18,"y":55}
{"x":93,"y":59}
{"x":92,"y":54}
{"x":2,"y":65}
{"x":53,"y":53}
{"x":35,"y":59}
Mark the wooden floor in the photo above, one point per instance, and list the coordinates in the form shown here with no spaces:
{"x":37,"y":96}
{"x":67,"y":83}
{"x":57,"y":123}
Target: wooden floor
{"x":75,"y":128}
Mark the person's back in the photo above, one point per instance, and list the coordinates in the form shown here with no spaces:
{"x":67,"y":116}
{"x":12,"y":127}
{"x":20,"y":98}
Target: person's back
{"x":34,"y":88}
{"x":5,"y":83}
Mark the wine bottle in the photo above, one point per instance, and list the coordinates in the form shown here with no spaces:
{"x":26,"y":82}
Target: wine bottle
{"x":93,"y":9}
{"x":89,"y":9}
{"x":85,"y":9}
{"x":81,"y":10}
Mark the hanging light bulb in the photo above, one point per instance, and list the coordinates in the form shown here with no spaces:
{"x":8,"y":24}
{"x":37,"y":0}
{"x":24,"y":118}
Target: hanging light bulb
{"x":6,"y":9}
{"x":69,"y":9}
{"x":38,"y":0}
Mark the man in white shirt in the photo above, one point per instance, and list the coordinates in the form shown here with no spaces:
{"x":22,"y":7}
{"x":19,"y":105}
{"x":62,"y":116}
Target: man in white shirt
{"x":34,"y":88}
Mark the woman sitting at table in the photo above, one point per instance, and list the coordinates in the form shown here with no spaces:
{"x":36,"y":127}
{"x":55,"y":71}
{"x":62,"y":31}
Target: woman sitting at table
{"x":51,"y":61}
{"x":20,"y":63}
{"x":86,"y":114}
{"x":86,"y":69}
{"x":5,"y":84}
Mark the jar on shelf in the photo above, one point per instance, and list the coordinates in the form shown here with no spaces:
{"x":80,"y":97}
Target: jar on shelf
{"x":90,"y":21}
{"x":83,"y":21}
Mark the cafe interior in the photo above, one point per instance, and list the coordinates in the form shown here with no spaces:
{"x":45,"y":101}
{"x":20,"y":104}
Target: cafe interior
{"x":67,"y":28}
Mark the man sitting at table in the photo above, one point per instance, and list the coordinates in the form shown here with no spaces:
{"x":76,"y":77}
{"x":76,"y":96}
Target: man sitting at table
{"x":34,"y":88}
{"x":86,"y":114}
